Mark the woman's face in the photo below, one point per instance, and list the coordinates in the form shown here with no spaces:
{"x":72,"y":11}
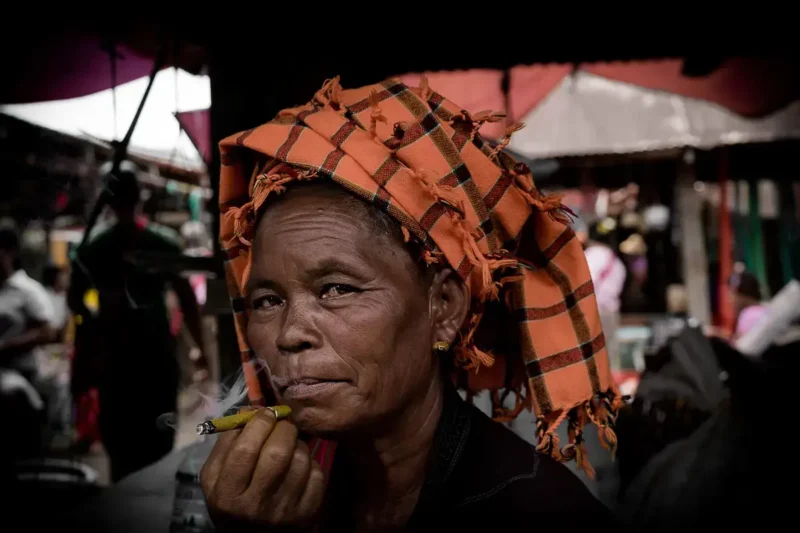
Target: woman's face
{"x":341,"y":315}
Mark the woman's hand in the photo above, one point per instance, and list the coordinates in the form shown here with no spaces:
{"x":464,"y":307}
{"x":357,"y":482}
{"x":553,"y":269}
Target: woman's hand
{"x":261,"y":476}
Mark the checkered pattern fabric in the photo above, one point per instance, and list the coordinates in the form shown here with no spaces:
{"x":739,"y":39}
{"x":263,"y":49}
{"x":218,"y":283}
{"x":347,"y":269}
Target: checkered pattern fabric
{"x":417,"y":156}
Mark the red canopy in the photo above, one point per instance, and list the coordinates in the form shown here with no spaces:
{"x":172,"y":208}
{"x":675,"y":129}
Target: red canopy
{"x":68,"y":62}
{"x":197,"y":125}
{"x":748,"y":86}
{"x":751,"y":87}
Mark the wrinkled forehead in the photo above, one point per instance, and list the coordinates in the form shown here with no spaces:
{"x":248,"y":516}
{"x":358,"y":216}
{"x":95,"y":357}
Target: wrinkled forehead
{"x":319,"y":223}
{"x":318,"y":202}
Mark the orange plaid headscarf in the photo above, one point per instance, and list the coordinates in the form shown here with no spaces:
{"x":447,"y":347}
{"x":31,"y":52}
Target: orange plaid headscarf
{"x":417,"y":156}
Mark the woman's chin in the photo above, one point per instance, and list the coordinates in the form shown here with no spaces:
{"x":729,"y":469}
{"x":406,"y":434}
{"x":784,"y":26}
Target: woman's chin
{"x":320,"y":422}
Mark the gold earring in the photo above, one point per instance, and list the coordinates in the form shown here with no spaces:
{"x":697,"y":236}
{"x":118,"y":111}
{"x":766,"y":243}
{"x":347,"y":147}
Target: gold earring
{"x":441,"y":346}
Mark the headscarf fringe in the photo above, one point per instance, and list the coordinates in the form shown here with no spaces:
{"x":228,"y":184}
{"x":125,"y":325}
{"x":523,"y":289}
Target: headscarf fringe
{"x":601,"y":411}
{"x":473,"y":123}
{"x":329,"y":93}
{"x":469,"y":356}
{"x":444,"y":194}
{"x":242,"y":222}
{"x":425,"y":91}
{"x":503,"y":415}
{"x":550,"y":204}
{"x":510,"y":130}
{"x":398,"y":132}
{"x":376,"y":115}
{"x":262,"y":185}
{"x":492,"y":291}
{"x":430,"y":257}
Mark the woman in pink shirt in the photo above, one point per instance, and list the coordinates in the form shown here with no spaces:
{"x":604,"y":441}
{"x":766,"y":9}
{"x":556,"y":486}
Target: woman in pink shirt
{"x":747,"y":302}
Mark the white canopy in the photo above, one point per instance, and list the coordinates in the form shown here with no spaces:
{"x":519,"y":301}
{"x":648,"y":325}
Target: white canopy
{"x":157,"y":133}
{"x":588,"y":114}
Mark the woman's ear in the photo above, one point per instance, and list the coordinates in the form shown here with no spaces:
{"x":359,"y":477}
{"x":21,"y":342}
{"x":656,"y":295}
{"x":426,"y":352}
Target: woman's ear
{"x":450,"y":302}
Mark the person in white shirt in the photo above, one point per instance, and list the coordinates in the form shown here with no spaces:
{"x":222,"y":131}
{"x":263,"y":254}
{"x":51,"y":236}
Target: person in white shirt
{"x":26,"y":313}
{"x":26,"y":318}
{"x":55,"y":281}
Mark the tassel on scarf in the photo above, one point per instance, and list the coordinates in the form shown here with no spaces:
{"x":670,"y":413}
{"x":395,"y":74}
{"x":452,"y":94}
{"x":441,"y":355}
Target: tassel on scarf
{"x":262,"y":185}
{"x":492,"y":291}
{"x":330,"y":93}
{"x":600,"y":411}
{"x":398,"y":132}
{"x":546,"y":204}
{"x":242,"y":222}
{"x":431,"y":258}
{"x":510,"y":130}
{"x":472,"y":123}
{"x":406,"y":234}
{"x":469,"y":356}
{"x":424,"y":88}
{"x":604,"y":419}
{"x":376,"y":115}
{"x":441,"y":193}
{"x":501,"y":414}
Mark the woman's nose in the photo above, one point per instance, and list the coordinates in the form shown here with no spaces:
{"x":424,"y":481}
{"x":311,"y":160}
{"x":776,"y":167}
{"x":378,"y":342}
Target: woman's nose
{"x":297,"y":331}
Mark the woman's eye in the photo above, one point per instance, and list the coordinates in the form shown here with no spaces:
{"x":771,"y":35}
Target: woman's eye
{"x":337,"y":289}
{"x":266,"y":302}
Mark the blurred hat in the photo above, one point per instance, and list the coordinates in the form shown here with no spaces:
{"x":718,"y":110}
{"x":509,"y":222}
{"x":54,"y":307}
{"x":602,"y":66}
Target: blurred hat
{"x":633,"y":245}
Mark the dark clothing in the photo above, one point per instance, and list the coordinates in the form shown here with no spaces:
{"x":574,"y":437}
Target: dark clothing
{"x":482,"y":478}
{"x":133,"y":347}
{"x":483,"y":475}
{"x":130,"y":406}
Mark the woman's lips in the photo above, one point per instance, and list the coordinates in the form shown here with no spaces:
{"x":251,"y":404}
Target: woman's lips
{"x":308,"y":390}
{"x":297,"y":389}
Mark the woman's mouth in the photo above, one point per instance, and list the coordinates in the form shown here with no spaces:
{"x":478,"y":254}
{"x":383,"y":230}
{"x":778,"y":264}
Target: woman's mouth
{"x":298,"y":389}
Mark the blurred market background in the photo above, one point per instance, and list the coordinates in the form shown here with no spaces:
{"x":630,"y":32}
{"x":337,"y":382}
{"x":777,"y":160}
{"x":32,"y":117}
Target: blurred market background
{"x":683,"y":167}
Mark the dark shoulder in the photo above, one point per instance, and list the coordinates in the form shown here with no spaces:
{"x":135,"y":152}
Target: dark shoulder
{"x":162,"y":237}
{"x":101,"y":234}
{"x":501,"y":474}
{"x":101,"y":239}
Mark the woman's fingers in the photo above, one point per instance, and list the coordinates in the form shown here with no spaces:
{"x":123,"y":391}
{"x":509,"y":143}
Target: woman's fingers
{"x":275,"y":458}
{"x":311,"y":501}
{"x":263,"y":476}
{"x":243,"y":454}
{"x":294,"y":482}
{"x":212,"y":468}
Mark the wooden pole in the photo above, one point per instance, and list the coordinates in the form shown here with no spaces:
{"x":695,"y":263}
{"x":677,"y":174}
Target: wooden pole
{"x":726,"y":311}
{"x":693,"y":246}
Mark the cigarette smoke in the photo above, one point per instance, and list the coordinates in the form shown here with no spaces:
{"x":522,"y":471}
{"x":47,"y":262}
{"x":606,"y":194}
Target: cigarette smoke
{"x":226,"y":401}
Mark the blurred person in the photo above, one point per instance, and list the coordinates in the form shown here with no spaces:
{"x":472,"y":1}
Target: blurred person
{"x":748,"y":306}
{"x":26,"y":318}
{"x":608,"y":276}
{"x":26,"y":313}
{"x":54,"y":364}
{"x":198,"y":244}
{"x":55,"y":280}
{"x":135,"y":349}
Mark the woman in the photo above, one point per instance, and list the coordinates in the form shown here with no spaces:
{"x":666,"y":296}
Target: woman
{"x":406,"y":257}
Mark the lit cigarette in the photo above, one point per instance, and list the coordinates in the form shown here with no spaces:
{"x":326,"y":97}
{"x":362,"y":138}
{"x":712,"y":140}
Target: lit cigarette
{"x":227,"y":423}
